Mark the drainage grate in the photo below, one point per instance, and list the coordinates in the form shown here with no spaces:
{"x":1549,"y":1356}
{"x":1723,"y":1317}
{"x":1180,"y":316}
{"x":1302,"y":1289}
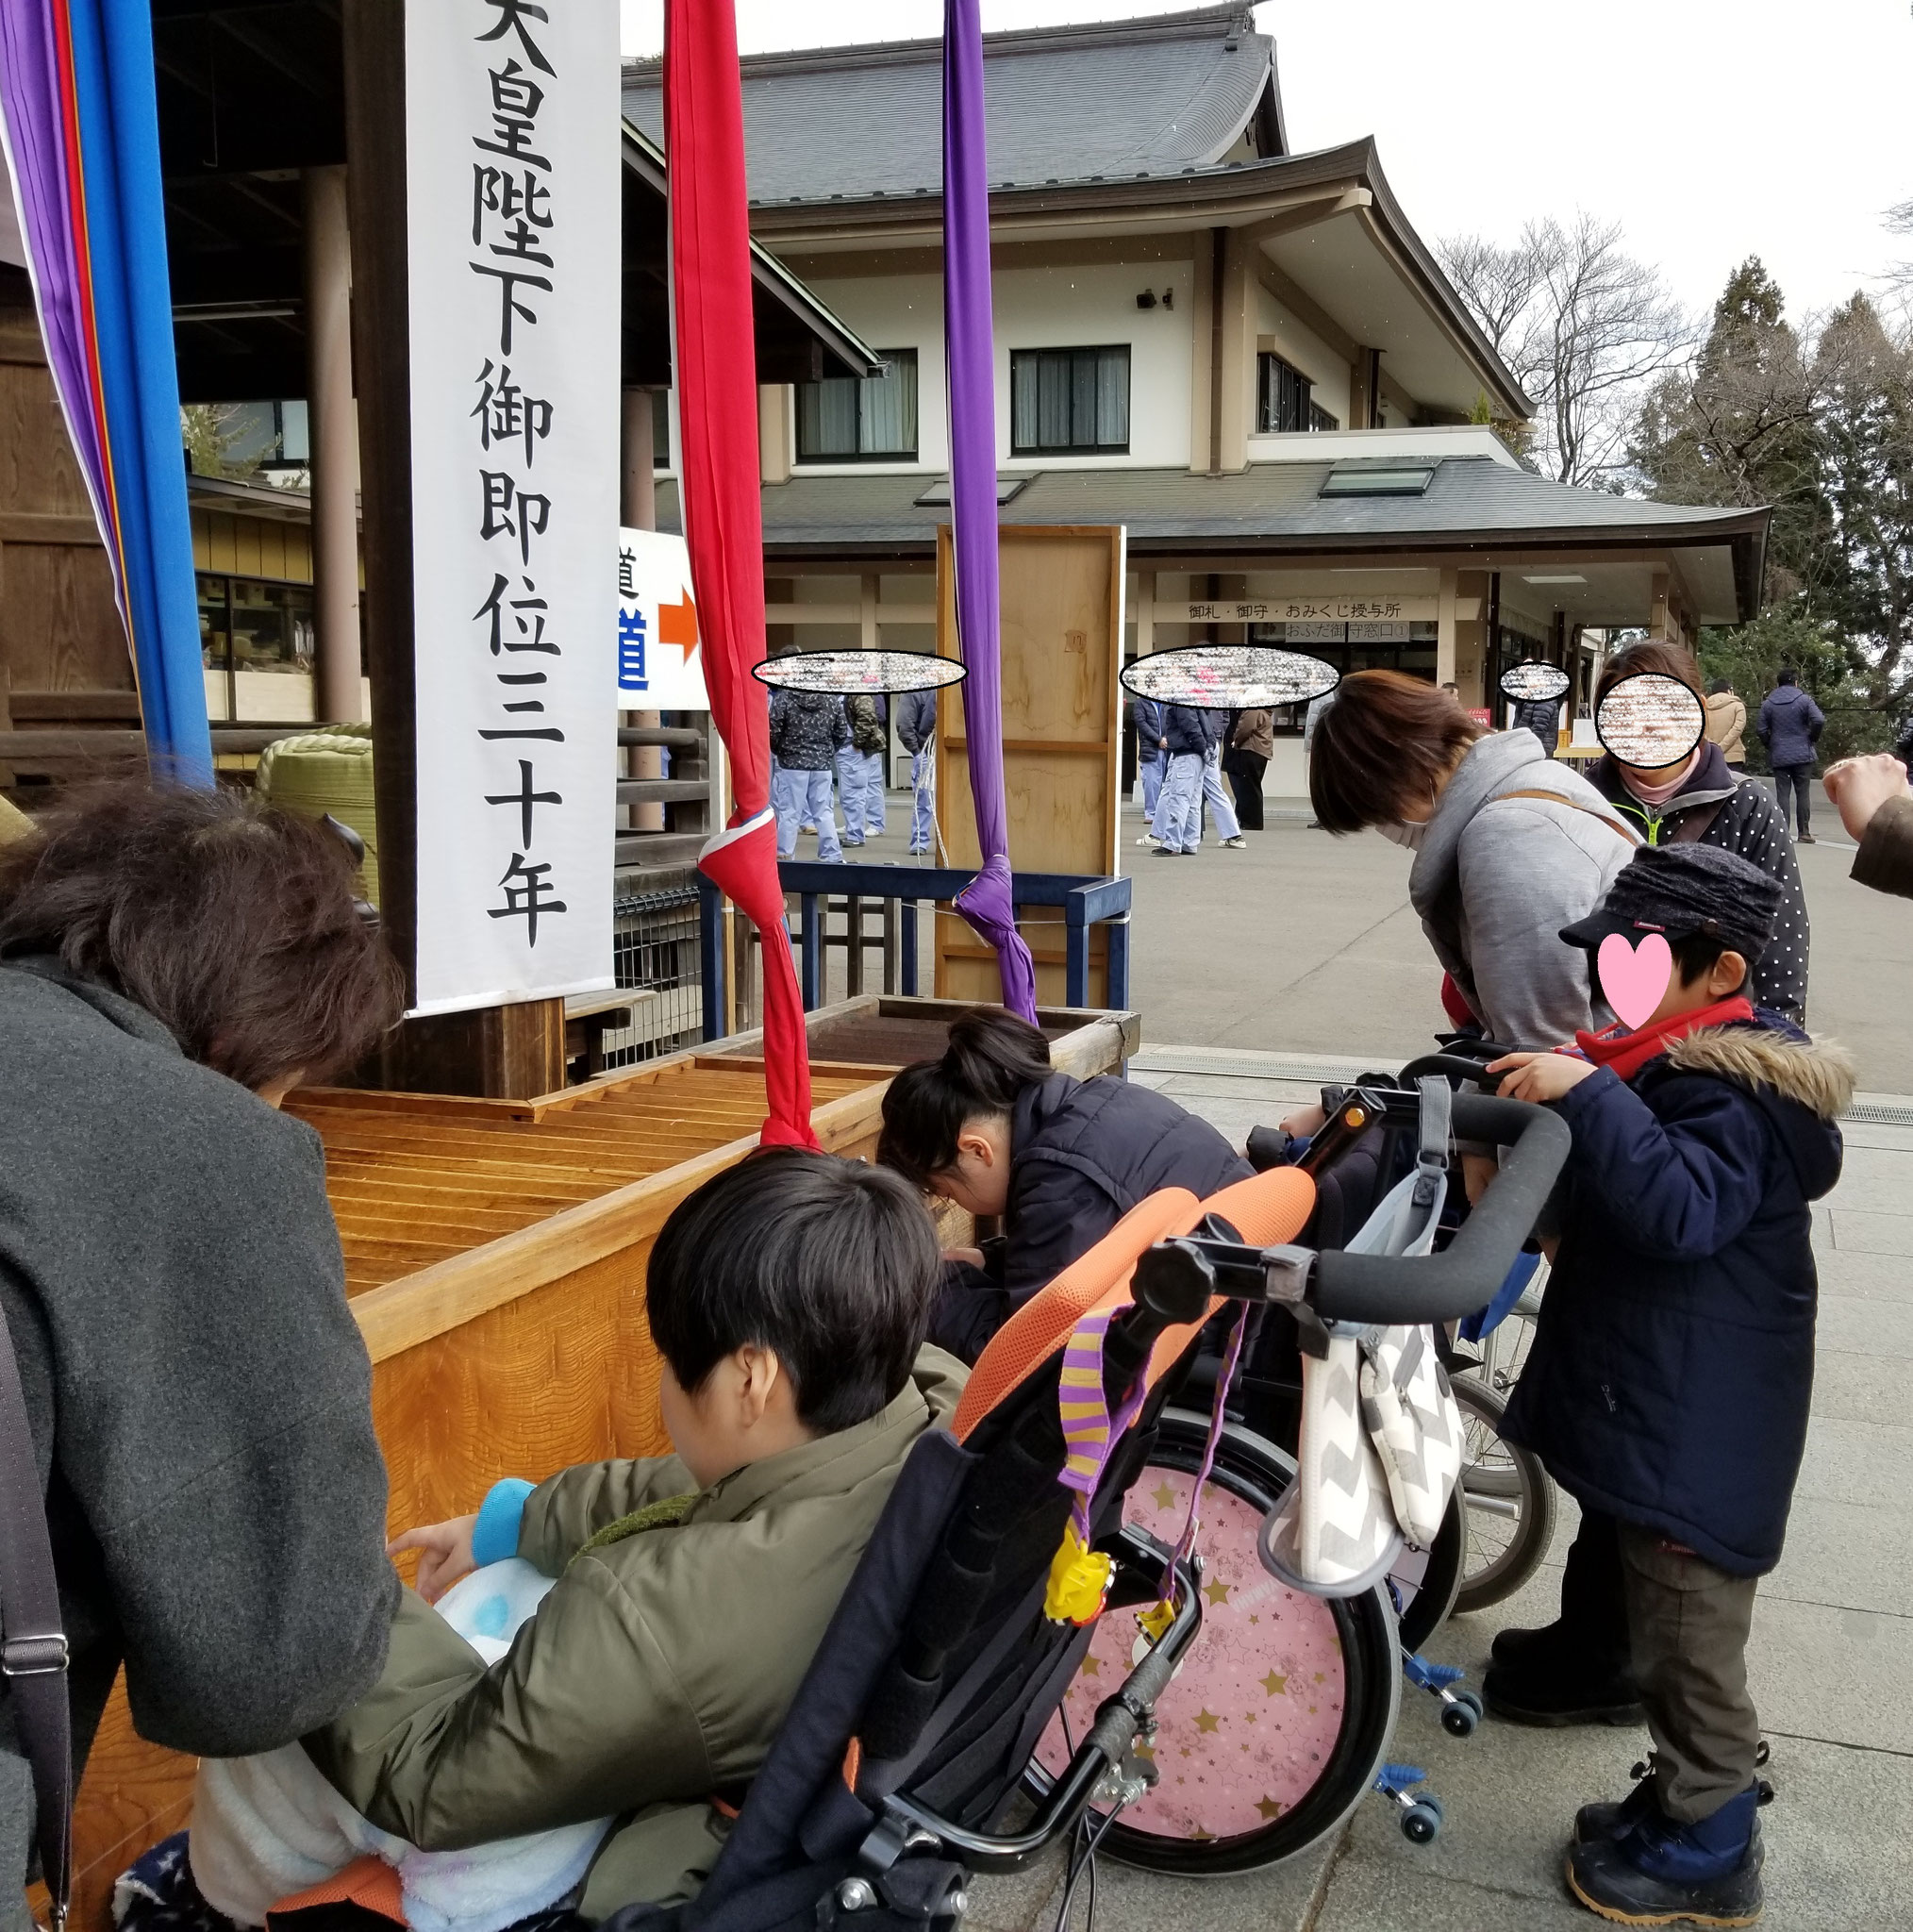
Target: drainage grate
{"x":1881,"y":1112}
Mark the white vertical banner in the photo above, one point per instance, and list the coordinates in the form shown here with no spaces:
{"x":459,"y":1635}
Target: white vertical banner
{"x":515,"y":247}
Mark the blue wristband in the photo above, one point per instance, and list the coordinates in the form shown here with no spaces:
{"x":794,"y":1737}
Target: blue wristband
{"x":494,"y":1536}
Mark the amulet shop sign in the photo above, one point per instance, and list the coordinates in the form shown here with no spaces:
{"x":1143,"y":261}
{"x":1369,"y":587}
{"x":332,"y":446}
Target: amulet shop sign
{"x":512,"y":217}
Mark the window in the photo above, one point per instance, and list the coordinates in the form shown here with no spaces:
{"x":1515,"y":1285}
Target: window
{"x":860,"y":419}
{"x":256,"y":645}
{"x":1319,"y":418}
{"x":1069,"y":402}
{"x":1378,"y":479}
{"x":1282,"y":393}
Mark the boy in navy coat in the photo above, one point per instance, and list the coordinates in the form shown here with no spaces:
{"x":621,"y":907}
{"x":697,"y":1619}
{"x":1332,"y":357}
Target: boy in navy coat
{"x":1672,"y":1364}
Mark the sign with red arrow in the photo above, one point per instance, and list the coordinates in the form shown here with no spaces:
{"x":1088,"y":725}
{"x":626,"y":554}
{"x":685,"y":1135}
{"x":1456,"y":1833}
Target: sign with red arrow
{"x":657,"y":662}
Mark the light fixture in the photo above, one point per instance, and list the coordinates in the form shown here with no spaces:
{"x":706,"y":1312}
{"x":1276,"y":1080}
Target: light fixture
{"x":1147,"y":299}
{"x":1169,"y":298}
{"x":1569,"y":578}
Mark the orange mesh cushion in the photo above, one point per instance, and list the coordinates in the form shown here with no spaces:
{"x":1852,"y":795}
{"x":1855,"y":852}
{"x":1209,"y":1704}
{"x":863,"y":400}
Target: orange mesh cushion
{"x":1265,"y":1209}
{"x":1097,"y":1278}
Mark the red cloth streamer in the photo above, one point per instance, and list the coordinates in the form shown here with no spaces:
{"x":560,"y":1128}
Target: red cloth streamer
{"x":717,"y":394}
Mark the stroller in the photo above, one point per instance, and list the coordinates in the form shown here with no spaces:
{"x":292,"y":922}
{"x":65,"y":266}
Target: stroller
{"x":900,"y":1768}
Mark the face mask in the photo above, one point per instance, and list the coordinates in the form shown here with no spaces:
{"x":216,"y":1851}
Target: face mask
{"x":1400,"y":832}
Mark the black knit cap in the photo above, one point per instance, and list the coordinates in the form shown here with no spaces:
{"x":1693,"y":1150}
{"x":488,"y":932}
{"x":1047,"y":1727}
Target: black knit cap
{"x":1681,"y":890}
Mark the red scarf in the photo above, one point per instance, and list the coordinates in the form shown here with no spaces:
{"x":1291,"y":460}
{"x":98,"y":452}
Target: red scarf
{"x":1627,"y":1053}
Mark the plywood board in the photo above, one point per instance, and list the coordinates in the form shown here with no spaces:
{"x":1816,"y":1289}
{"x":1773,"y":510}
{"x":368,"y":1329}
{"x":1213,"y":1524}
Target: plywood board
{"x":1061,"y":597}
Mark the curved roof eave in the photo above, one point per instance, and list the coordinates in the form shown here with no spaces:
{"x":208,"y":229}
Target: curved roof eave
{"x":645,"y":157}
{"x":1213,"y":194}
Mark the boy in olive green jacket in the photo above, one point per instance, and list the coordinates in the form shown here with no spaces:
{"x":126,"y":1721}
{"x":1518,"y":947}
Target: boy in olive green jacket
{"x":789,"y":1298}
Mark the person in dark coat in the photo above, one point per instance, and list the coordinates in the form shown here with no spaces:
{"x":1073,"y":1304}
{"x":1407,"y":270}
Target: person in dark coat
{"x":994,"y":1129}
{"x":1790,"y":725}
{"x":916,"y":733}
{"x":1543,"y":716}
{"x":807,"y":729}
{"x":197,"y":1392}
{"x":1704,"y":800}
{"x":1193,"y":740}
{"x":1670,"y":1379}
{"x":1148,"y":717}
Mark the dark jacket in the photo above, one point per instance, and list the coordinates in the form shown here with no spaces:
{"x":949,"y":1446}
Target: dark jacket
{"x":1543,"y":716}
{"x":1886,"y":855}
{"x":807,"y":729}
{"x":1083,"y":1153}
{"x":1192,"y":733}
{"x":1790,"y":725}
{"x":171,"y":1278}
{"x":1721,"y":806}
{"x":916,"y":720}
{"x":1672,"y":1363}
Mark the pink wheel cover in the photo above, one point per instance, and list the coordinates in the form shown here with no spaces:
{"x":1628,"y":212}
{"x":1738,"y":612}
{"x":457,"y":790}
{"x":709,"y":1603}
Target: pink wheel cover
{"x":1248,"y":1725}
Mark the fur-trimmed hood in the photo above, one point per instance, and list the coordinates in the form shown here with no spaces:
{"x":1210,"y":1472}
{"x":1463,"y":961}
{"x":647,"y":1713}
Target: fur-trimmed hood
{"x":1803,"y":1086}
{"x":1817,"y":1075}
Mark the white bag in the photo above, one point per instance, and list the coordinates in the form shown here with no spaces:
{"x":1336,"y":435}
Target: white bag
{"x":1380,"y":1448}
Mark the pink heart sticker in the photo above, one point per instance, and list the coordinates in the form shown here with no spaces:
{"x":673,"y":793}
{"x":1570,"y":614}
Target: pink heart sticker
{"x":1635,"y":977}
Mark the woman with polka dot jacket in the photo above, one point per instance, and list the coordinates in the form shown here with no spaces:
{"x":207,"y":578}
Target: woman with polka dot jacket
{"x":1703,"y":801}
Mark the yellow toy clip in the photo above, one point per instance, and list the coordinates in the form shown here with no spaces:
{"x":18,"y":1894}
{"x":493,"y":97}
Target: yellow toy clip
{"x":1079,"y":1582}
{"x":1155,"y":1624}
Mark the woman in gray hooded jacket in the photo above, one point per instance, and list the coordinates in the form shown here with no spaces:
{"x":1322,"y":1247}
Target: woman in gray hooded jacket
{"x":1509,"y":845}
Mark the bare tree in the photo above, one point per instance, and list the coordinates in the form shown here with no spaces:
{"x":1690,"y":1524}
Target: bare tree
{"x":1584,"y":327}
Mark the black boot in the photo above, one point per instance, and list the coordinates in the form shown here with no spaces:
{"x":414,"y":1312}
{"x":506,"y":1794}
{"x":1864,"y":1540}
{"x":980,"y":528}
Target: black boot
{"x":1664,"y":1874}
{"x":1554,"y":1691}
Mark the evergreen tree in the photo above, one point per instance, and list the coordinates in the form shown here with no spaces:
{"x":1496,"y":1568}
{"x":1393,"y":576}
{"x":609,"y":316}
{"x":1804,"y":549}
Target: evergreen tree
{"x":1738,"y":427}
{"x":1866,"y":462}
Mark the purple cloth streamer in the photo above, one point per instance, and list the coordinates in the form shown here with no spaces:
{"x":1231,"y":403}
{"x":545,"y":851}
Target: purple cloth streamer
{"x":986,"y":902}
{"x":36,"y":152}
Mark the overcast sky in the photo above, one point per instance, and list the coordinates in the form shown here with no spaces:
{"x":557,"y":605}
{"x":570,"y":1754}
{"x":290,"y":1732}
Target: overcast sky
{"x":1711,"y":130}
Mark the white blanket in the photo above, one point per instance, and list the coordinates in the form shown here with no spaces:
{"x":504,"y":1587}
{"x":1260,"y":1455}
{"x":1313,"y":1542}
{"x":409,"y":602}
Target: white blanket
{"x":267,"y":1826}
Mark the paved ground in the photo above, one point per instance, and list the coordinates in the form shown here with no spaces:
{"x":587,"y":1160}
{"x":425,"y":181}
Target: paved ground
{"x":1308,"y":944}
{"x":1832,"y":1654}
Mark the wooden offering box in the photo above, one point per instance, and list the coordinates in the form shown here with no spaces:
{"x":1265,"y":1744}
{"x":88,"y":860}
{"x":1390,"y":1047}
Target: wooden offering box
{"x":494,"y":1255}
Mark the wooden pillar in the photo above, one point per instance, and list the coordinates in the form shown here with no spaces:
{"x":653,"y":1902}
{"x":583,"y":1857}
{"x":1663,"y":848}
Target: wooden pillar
{"x":773,"y":431}
{"x":638,"y":511}
{"x":638,"y":491}
{"x":332,"y":419}
{"x":374,"y":51}
{"x":1444,"y":630}
{"x":867,"y":611}
{"x":515,"y":1051}
{"x":1235,"y":390}
{"x":1145,"y":612}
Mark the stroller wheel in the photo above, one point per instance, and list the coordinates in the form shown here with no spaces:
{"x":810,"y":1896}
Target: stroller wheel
{"x":1273,"y":1728}
{"x":1421,"y":1821}
{"x":1509,"y":1499}
{"x":1460,"y":1719}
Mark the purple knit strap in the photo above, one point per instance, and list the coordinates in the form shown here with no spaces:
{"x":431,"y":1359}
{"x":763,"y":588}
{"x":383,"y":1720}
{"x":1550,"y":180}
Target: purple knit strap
{"x":986,"y":902}
{"x":1091,"y":1432}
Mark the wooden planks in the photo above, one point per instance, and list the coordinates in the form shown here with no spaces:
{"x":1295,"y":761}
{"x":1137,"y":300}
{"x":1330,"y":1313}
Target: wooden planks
{"x":1061,"y":650}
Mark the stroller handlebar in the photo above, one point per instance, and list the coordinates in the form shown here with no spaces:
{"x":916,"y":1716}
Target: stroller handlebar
{"x":1389,"y":1290}
{"x":1399,"y":1291}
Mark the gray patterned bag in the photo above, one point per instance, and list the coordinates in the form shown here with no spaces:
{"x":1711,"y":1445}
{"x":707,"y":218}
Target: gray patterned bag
{"x":1380,"y":1449}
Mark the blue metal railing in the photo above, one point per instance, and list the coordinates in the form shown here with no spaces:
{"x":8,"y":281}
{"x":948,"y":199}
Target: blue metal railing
{"x":1085,"y":901}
